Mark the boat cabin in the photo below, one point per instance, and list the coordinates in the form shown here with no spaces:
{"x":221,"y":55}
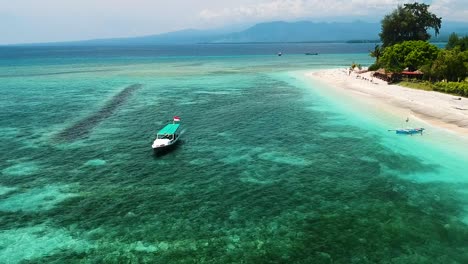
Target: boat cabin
{"x":168,"y":132}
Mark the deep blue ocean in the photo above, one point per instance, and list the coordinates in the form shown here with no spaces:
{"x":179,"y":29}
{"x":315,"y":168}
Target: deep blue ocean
{"x":272,"y":167}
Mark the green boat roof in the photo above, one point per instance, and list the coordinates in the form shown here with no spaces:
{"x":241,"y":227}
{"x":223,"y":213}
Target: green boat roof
{"x":169,"y":129}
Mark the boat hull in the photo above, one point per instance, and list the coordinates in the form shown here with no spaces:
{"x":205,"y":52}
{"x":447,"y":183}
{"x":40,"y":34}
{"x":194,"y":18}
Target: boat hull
{"x":161,"y":150}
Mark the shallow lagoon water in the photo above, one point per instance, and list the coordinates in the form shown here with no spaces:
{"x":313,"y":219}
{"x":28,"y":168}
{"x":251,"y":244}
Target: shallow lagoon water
{"x":271,"y":169}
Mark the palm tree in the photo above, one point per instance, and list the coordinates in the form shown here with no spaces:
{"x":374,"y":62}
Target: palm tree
{"x":376,"y":53}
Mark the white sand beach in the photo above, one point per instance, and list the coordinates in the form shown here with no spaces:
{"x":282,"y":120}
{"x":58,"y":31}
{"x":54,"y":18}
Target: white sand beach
{"x":442,"y":110}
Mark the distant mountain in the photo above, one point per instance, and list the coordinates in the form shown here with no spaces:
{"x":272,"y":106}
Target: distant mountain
{"x":187,"y":36}
{"x":461,"y":28}
{"x":278,"y":31}
{"x":305,"y":31}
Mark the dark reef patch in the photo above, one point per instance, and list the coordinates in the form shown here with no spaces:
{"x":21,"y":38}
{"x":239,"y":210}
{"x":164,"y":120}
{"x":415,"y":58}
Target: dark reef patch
{"x":82,"y":128}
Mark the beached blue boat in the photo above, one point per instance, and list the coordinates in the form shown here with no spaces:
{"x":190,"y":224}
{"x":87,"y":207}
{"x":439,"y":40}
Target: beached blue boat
{"x":410,"y":131}
{"x":167,"y":136}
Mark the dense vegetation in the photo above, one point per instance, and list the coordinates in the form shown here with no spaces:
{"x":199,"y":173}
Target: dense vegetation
{"x":460,"y":88}
{"x":450,"y":65}
{"x":409,"y":54}
{"x":405,"y":46}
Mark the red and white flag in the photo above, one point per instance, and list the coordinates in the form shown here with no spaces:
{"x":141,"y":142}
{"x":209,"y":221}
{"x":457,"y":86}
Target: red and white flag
{"x":176,"y":118}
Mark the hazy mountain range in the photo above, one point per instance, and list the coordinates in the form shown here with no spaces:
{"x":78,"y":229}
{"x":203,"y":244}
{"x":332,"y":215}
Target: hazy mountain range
{"x":279,"y":31}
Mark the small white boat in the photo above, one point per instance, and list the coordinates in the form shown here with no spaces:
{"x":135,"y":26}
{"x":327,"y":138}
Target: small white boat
{"x":167,"y":136}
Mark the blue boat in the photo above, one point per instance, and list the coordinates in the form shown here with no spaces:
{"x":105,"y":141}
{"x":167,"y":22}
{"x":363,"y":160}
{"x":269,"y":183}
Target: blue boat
{"x":410,"y":131}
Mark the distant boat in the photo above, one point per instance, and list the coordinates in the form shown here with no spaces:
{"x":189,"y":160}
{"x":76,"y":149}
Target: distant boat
{"x":279,"y":53}
{"x":167,"y":136}
{"x":311,"y":53}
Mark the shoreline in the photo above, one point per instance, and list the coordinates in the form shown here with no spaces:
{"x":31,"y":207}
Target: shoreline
{"x":438,"y":109}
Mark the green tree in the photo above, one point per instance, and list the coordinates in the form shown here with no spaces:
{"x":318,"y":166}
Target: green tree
{"x":464,"y":56}
{"x":409,"y":22}
{"x":409,"y":54}
{"x":451,"y":65}
{"x":456,"y":41}
{"x":376,"y":53}
{"x":428,"y":71}
{"x":452,"y":41}
{"x":464,"y":43}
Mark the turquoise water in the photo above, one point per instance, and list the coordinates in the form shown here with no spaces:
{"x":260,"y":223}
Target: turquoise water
{"x":273,"y":167}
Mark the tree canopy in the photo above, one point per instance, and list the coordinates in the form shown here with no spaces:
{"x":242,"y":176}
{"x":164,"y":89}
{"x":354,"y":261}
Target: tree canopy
{"x":409,"y":54}
{"x":409,"y":22}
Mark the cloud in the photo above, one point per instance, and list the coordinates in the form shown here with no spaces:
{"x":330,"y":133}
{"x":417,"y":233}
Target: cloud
{"x":291,"y":9}
{"x":451,"y":10}
{"x":56,"y":20}
{"x":24,"y":21}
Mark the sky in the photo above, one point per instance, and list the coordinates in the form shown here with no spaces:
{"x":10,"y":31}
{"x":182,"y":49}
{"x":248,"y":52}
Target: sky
{"x":33,"y":21}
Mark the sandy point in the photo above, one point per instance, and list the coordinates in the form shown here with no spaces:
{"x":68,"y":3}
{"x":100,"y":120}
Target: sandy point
{"x":438,"y":109}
